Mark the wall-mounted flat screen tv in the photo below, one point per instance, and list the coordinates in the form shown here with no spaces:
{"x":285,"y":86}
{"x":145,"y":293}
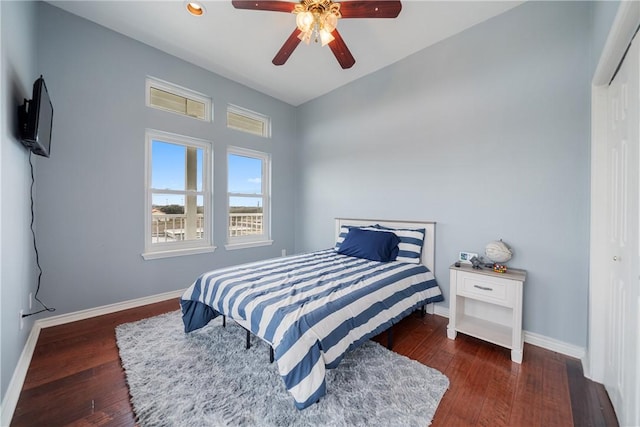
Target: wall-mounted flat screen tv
{"x":36,"y":120}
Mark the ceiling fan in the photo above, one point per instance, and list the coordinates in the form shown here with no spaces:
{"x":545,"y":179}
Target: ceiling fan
{"x":317,"y":20}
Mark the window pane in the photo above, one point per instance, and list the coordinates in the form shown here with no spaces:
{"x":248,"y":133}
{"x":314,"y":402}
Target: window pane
{"x":168,"y":166}
{"x":245,"y":175}
{"x":195,"y":109}
{"x":176,"y":217}
{"x":168,"y":101}
{"x":245,"y":216}
{"x":167,"y":218}
{"x":245,"y":204}
{"x":167,"y":204}
{"x":246,"y":124}
{"x":173,"y":220}
{"x":199,"y":168}
{"x":200,"y":204}
{"x":178,"y":199}
{"x":248,"y":198}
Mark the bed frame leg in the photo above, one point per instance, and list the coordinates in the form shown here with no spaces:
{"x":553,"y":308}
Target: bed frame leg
{"x":270,"y":354}
{"x":390,"y":338}
{"x":423,"y":312}
{"x":224,"y":321}
{"x":248,"y":339}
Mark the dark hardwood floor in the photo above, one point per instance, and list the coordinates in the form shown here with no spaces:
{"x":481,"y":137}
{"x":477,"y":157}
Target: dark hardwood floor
{"x":75,"y":378}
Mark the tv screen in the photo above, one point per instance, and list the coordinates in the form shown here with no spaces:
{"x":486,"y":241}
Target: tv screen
{"x":37,"y":120}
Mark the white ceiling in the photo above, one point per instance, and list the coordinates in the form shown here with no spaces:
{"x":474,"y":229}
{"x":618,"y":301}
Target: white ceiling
{"x":240,"y":44}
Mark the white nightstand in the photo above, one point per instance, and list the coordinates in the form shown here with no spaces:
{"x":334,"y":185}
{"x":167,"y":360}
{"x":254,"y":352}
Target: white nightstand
{"x":487,"y":305}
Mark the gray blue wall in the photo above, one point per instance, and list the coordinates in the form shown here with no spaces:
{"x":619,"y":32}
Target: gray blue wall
{"x":17,"y":274}
{"x":487,"y":133}
{"x":91,"y":190}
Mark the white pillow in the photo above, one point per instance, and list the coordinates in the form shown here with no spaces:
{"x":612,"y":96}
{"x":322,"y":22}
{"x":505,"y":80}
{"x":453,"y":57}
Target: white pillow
{"x":411,"y":242}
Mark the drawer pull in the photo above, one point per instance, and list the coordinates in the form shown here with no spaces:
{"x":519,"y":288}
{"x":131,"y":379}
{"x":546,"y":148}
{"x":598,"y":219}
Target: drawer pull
{"x":484,"y":288}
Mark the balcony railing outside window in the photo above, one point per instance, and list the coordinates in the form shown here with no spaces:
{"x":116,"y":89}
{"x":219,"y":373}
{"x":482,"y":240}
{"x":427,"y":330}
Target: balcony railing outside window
{"x":171,"y":227}
{"x":245,"y":224}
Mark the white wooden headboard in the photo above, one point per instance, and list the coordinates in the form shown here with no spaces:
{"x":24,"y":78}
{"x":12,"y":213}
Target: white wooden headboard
{"x":428,"y":249}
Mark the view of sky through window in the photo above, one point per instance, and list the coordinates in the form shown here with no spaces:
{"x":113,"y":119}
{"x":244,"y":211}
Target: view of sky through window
{"x":168,"y":169}
{"x":245,"y":176}
{"x":168,"y":172}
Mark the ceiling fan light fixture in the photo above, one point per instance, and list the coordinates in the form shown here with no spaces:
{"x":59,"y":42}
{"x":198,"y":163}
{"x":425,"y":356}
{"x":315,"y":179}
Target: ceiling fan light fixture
{"x":305,"y":21}
{"x":329,"y":23}
{"x":305,"y":36}
{"x":195,"y":8}
{"x":317,"y":19}
{"x":326,"y":37}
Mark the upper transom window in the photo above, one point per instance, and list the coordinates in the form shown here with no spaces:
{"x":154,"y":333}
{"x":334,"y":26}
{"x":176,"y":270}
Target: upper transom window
{"x":169,"y":97}
{"x":241,"y":119}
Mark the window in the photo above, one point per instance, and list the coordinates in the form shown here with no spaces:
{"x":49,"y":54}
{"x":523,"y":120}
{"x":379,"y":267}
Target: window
{"x":248,"y":121}
{"x":178,"y":199}
{"x":248,"y":183}
{"x":169,"y":97}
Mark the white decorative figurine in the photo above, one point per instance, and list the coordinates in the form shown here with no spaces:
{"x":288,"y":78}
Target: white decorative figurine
{"x":498,"y":251}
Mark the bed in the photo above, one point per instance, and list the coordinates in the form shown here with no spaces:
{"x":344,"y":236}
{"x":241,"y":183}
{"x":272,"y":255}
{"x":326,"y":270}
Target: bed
{"x":313,"y":308}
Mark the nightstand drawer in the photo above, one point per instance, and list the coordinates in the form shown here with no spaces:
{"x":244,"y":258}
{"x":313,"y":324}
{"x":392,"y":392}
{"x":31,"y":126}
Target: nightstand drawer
{"x":486,"y":288}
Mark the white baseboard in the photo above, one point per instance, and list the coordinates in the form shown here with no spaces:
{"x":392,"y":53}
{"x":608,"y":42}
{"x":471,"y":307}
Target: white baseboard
{"x":107,"y":309}
{"x":441,"y":310}
{"x":532,"y":338}
{"x":552,"y":344}
{"x":10,"y":399}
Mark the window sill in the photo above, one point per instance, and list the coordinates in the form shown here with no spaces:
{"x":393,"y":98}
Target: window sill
{"x":255,"y":244}
{"x":177,"y":252}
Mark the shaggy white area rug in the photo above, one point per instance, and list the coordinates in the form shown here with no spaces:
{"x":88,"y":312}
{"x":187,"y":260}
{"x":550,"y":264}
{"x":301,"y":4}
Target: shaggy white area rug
{"x":207,"y":378}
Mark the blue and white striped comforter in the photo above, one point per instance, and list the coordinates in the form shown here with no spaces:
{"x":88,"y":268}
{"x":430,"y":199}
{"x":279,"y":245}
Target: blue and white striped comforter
{"x":310,"y":308}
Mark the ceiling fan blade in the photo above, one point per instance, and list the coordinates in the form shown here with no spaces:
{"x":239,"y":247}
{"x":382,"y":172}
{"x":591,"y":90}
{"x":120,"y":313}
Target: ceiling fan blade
{"x":370,"y":9}
{"x":287,"y":48}
{"x":341,"y":51}
{"x":272,"y":5}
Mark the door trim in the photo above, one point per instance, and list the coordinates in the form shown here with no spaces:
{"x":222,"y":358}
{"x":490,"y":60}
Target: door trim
{"x":622,"y":30}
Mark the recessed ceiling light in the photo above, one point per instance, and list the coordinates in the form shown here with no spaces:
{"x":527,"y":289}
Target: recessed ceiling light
{"x":195,"y":8}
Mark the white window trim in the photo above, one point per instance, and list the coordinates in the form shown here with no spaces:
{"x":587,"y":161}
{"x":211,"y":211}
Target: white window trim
{"x":171,"y":249}
{"x":181,"y":252}
{"x":242,"y":242}
{"x":180,"y":91}
{"x":253,"y":115}
{"x":253,"y":244}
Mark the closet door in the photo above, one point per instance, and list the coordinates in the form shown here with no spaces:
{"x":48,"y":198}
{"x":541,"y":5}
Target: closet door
{"x":623,"y":234}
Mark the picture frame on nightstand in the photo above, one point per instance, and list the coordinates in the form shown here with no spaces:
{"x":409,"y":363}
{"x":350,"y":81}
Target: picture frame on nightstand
{"x":465,"y":257}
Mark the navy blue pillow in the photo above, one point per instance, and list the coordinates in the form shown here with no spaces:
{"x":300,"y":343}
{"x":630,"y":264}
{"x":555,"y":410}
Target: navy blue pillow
{"x":368,"y":244}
